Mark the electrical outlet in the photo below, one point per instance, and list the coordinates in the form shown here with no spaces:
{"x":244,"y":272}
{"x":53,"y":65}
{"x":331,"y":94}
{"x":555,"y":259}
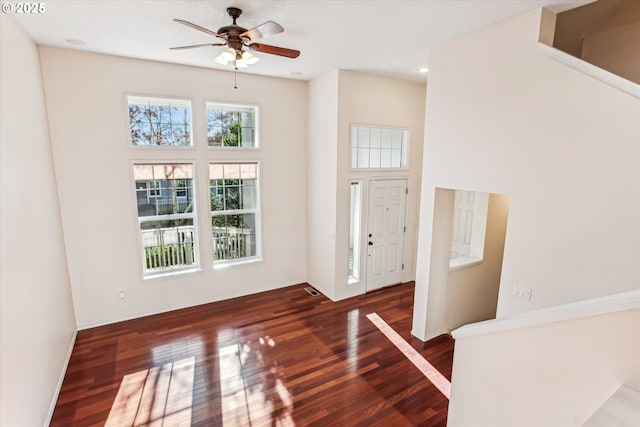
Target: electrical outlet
{"x":521,"y":291}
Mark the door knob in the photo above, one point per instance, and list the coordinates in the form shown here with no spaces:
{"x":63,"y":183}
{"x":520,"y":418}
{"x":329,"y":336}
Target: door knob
{"x":370,"y":243}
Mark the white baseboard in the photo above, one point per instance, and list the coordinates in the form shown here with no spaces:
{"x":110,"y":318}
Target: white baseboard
{"x":432,"y":335}
{"x":63,"y":372}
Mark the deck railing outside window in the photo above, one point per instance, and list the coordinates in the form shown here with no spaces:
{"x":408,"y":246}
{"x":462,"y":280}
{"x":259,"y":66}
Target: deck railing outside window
{"x":233,"y":244}
{"x":168,"y":247}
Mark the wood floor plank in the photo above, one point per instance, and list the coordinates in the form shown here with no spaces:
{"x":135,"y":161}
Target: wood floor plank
{"x":281,"y":357}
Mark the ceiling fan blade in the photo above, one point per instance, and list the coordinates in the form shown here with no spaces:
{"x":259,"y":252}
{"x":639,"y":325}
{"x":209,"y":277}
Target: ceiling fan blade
{"x":197,"y":45}
{"x":198,"y":27}
{"x":274,"y":50}
{"x":267,"y":29}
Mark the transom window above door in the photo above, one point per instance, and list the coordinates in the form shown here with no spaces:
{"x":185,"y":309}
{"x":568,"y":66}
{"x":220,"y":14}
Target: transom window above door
{"x":379,"y":148}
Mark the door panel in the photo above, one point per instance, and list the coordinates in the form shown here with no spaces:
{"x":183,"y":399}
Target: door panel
{"x":386,"y":222}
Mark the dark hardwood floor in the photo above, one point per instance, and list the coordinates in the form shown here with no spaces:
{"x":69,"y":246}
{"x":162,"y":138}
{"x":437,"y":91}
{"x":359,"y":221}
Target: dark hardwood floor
{"x":279,"y":358}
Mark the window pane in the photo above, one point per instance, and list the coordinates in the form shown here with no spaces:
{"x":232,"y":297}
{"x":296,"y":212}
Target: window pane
{"x":234,"y":236}
{"x":234,"y":204}
{"x":396,"y":159}
{"x":159,"y":122}
{"x":164,"y":197}
{"x":363,"y":157}
{"x":386,"y":138}
{"x":385,"y":158}
{"x":375,"y":138}
{"x":232,"y":196}
{"x":374,"y":158}
{"x":168,"y":244}
{"x":231,"y":125}
{"x":166,"y":191}
{"x":248,"y":200}
{"x":354,"y":233}
{"x":396,"y":140}
{"x":378,"y":148}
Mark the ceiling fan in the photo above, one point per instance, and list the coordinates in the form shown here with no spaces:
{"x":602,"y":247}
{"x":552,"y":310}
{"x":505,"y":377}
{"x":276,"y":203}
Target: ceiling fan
{"x":238,"y":38}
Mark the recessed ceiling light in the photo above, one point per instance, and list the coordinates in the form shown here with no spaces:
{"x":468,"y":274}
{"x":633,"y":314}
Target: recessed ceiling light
{"x":424,"y":70}
{"x":75,"y":42}
{"x":295,"y":74}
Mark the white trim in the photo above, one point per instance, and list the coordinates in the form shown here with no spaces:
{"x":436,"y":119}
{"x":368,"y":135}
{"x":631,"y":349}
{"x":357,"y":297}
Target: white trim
{"x":605,"y":76}
{"x":463,"y":262}
{"x":592,"y":307}
{"x":63,"y":373}
{"x":433,"y":335}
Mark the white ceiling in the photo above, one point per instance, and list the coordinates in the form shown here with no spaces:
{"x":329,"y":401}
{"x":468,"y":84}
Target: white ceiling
{"x":383,"y":37}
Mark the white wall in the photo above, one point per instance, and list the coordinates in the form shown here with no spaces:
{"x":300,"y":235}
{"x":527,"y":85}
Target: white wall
{"x":504,"y":118}
{"x":376,"y":101}
{"x":322,"y":176}
{"x":555,"y":374}
{"x":89,"y":132}
{"x":36,"y":316}
{"x":337,"y":100}
{"x":469,"y":294}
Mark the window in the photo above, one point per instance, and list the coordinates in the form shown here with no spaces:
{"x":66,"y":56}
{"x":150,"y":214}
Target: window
{"x":153,"y":189}
{"x":231,"y":125}
{"x":167,"y":220}
{"x":469,"y":228}
{"x":354,"y":232}
{"x":379,"y":148}
{"x":182,"y":188}
{"x":234,"y":210}
{"x":155,"y":122}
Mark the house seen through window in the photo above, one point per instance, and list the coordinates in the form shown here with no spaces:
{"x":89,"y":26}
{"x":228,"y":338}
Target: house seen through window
{"x":165,"y":200}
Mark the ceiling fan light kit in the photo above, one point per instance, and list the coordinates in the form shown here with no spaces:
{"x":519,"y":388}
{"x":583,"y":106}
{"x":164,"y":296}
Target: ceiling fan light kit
{"x":240,"y":40}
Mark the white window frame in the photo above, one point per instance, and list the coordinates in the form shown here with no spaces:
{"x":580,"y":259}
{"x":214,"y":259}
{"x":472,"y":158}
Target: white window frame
{"x":224,"y":263}
{"x":355,"y":232}
{"x":233,"y":107}
{"x":478,"y":233}
{"x":164,"y":101}
{"x":153,"y":189}
{"x":356,"y":146}
{"x":169,"y":270}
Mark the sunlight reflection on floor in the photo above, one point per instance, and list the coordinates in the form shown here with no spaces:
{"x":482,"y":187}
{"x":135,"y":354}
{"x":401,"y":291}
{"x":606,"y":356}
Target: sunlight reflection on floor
{"x":160,"y":396}
{"x":429,"y":371}
{"x":252,"y":385}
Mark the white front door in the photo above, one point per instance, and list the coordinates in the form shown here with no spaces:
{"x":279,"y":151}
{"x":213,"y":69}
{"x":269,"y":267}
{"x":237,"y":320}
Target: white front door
{"x":385,"y":232}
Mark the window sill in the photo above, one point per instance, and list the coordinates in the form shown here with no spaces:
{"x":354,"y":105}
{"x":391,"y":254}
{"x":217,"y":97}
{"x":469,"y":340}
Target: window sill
{"x":353,"y":281}
{"x":162,"y":147}
{"x":171,"y":273}
{"x":232,"y":148}
{"x":463,"y":262}
{"x":221,"y":265}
